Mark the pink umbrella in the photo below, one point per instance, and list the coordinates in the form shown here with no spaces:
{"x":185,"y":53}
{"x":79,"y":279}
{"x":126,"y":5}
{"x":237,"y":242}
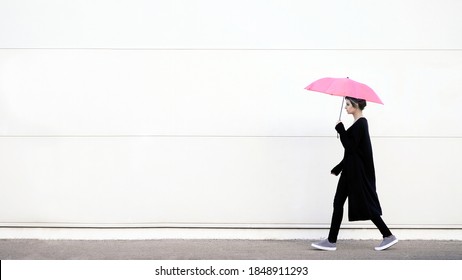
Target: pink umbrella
{"x":344,"y":87}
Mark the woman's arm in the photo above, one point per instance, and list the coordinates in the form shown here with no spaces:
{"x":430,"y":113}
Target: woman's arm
{"x":350,"y":142}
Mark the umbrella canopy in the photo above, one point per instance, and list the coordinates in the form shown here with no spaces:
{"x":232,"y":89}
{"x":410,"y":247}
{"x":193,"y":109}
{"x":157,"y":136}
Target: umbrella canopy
{"x":344,"y":87}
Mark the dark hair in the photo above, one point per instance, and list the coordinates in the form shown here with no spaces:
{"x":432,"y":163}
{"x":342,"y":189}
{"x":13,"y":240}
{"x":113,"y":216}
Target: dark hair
{"x":357,"y":103}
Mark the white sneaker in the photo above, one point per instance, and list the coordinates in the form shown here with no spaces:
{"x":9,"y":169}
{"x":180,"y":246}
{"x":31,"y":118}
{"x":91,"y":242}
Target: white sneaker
{"x":387,"y":242}
{"x":324,"y":245}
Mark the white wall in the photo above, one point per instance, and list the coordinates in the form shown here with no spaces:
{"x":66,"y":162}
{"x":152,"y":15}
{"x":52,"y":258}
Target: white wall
{"x":193,"y":113}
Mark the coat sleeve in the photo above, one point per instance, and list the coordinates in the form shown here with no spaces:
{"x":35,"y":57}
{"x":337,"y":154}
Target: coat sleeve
{"x":350,"y":142}
{"x":337,"y":169}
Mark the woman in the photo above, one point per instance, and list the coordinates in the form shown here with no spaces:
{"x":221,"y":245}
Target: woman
{"x":357,"y":182}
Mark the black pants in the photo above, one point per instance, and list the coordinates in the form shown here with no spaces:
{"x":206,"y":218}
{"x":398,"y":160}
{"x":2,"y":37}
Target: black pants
{"x":337,"y":216}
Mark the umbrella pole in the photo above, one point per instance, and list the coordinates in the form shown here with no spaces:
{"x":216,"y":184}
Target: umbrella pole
{"x":340,"y":116}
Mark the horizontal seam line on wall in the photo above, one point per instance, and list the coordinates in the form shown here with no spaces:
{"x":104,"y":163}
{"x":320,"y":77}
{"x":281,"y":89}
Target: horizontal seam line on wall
{"x":239,"y":49}
{"x":243,"y":227}
{"x":218,"y":136}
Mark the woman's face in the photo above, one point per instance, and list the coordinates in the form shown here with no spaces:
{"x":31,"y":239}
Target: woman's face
{"x":349,"y":107}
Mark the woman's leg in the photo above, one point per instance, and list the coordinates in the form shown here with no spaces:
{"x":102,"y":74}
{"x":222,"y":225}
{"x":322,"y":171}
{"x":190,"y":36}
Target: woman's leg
{"x":388,"y":238}
{"x":380,"y":224}
{"x":337,"y":216}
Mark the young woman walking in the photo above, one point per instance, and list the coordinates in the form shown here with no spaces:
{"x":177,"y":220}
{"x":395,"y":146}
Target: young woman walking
{"x":357,"y":182}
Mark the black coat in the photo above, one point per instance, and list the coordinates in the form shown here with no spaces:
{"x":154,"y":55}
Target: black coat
{"x":358,"y":173}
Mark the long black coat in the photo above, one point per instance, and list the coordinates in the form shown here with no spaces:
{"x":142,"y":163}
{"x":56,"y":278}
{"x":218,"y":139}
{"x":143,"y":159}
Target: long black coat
{"x":358,"y":173}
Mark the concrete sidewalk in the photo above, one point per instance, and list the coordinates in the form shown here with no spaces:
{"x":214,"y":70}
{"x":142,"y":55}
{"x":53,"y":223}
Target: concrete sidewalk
{"x":30,"y":249}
